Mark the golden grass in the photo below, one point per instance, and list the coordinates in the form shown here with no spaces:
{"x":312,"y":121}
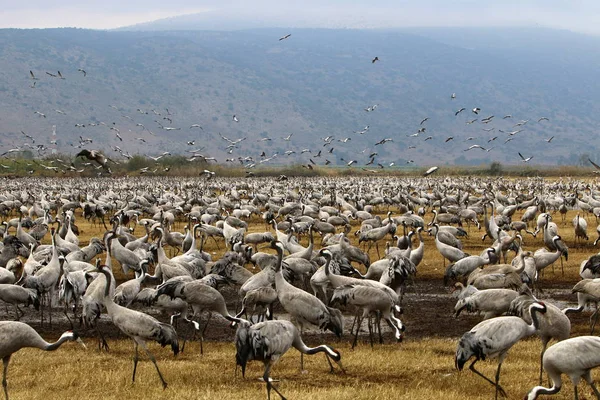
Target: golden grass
{"x":420,"y":367}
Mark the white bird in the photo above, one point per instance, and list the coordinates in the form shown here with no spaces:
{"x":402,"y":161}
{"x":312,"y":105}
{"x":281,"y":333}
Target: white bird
{"x":525,"y":159}
{"x":235,"y":119}
{"x":475,"y":146}
{"x":430,"y":171}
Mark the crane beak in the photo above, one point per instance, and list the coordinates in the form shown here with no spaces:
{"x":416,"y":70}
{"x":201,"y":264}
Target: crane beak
{"x":78,"y":340}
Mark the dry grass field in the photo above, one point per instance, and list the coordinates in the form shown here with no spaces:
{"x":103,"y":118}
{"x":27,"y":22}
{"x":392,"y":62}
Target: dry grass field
{"x":421,"y":367}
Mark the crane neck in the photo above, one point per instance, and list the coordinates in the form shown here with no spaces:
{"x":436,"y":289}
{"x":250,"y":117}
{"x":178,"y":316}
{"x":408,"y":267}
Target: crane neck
{"x":53,"y":346}
{"x":327,"y":264}
{"x":534,"y":309}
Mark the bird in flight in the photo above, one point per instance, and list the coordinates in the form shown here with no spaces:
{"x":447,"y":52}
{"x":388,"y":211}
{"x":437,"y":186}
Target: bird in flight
{"x":471,"y":121}
{"x":60,"y":75}
{"x":449,"y":139}
{"x":33,"y":76}
{"x":475,"y":146}
{"x":82,"y":71}
{"x":453,"y":96}
{"x":543,"y":119}
{"x":52,"y":75}
{"x":525,"y":159}
{"x":384,"y":141}
{"x":288,"y":137}
{"x":476,"y":110}
{"x":375,"y":59}
{"x":550,"y":140}
{"x":594,"y":164}
{"x":459,"y":111}
{"x":235,"y":118}
{"x":28,"y":136}
{"x":196,"y":126}
{"x":423,"y":120}
{"x":430,"y":171}
{"x":521,"y":123}
{"x":285,"y":37}
{"x":507,"y":116}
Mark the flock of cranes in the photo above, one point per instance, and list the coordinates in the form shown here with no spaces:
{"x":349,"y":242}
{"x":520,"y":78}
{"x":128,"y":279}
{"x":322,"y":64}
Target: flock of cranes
{"x":46,"y":263}
{"x":130,"y":131}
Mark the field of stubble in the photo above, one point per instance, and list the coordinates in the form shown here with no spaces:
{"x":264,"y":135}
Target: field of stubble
{"x":422,"y":366}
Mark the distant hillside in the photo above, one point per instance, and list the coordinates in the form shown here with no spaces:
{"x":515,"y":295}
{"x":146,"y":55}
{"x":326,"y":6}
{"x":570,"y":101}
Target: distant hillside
{"x":312,"y":85}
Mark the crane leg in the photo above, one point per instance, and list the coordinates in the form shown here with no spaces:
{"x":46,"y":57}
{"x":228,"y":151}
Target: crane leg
{"x":498,"y":380}
{"x":588,"y":378}
{"x":353,"y":323}
{"x":269,"y":384}
{"x":301,"y":354}
{"x":498,"y":387}
{"x":544,"y":344}
{"x":102,"y":344}
{"x":135,"y":360}
{"x":595,"y":315}
{"x":151,"y":357}
{"x":206,"y":325}
{"x":369,"y":325}
{"x":5,"y":361}
{"x":357,"y":330}
{"x":379,"y":328}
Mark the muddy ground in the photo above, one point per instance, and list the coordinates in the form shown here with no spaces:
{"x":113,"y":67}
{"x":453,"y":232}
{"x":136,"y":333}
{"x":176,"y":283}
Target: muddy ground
{"x":427,"y":312}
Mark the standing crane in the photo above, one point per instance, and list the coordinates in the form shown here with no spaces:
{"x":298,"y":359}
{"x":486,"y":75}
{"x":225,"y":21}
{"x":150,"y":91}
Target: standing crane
{"x":494,"y":338}
{"x":138,"y":326}
{"x":303,"y":307}
{"x":268,"y":341}
{"x":574,"y":357}
{"x":17,"y":335}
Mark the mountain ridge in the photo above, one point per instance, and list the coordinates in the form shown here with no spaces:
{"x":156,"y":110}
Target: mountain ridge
{"x":314,"y":84}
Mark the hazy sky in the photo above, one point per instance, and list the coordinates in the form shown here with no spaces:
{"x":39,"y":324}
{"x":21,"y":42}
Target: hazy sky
{"x":576,"y":15}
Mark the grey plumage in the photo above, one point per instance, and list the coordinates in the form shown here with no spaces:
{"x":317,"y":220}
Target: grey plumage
{"x":553,"y":324}
{"x":16,"y":335}
{"x":138,"y":326}
{"x":15,"y":295}
{"x":303,"y":307}
{"x":575,"y":357}
{"x":268,"y":341}
{"x":493,"y":338}
{"x":199,"y":296}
